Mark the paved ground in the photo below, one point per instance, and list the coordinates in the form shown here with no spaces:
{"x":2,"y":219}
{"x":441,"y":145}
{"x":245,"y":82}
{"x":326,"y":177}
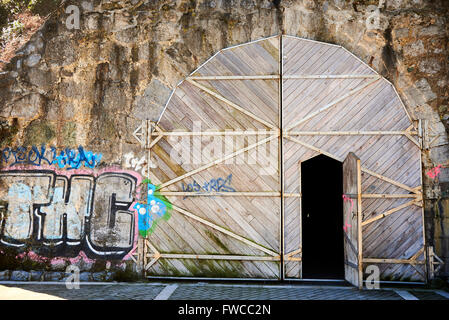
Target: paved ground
{"x":206,"y":291}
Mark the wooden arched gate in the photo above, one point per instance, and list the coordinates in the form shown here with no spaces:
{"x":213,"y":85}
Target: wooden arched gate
{"x":237,"y":211}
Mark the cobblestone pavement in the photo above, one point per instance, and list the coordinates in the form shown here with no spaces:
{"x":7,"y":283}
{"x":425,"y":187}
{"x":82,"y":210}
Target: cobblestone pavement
{"x":211,"y":291}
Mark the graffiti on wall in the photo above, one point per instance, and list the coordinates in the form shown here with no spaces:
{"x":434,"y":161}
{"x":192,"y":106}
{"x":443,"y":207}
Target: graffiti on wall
{"x":213,"y":185}
{"x":434,"y":172}
{"x":137,"y":163}
{"x":38,"y":156}
{"x":157,"y":207}
{"x":69,"y":212}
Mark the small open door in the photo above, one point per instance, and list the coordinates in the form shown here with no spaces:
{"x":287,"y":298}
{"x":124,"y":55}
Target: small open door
{"x":351,"y":219}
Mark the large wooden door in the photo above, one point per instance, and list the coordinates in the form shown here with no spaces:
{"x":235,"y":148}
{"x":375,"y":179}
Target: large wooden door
{"x":334,"y":104}
{"x":351,"y":225}
{"x":238,"y":213}
{"x":216,"y":151}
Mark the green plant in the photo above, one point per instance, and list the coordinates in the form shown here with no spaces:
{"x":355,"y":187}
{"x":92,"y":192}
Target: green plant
{"x":13,"y":29}
{"x":14,"y":6}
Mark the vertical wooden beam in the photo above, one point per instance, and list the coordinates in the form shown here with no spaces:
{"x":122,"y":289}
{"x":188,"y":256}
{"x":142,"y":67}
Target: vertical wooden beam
{"x":426,"y":256}
{"x":145,"y":258}
{"x":281,"y":163}
{"x":431,"y":270}
{"x":359,"y":222}
{"x":140,"y":255}
{"x":300,"y":217}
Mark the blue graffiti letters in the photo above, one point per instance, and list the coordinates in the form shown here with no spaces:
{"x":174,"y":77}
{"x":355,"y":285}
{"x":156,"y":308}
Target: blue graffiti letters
{"x":73,"y":159}
{"x":214,"y":185}
{"x":66,"y":158}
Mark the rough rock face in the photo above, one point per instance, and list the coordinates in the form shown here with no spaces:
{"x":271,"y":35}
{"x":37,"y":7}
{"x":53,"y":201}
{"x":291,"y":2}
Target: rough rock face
{"x":92,"y":86}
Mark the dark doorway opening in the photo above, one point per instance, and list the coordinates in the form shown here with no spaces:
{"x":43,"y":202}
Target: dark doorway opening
{"x":322,"y":218}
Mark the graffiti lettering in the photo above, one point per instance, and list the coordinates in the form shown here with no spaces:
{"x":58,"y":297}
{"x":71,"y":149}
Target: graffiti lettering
{"x":139,"y":165}
{"x":73,"y":160}
{"x":68,"y":214}
{"x":216,"y":185}
{"x":67,"y":158}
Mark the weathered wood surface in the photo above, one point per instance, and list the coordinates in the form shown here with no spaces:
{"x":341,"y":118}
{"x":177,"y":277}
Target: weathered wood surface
{"x":325,"y":89}
{"x":350,"y":219}
{"x":220,"y":105}
{"x":374,"y":108}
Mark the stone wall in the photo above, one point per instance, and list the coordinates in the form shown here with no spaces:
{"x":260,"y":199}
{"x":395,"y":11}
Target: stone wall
{"x":92,"y":86}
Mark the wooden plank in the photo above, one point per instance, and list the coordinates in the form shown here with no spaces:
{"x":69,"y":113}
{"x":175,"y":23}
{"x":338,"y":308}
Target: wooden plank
{"x":308,"y":94}
{"x":249,"y":77}
{"x":395,"y":223}
{"x":343,"y":118}
{"x":300,"y":93}
{"x":230,"y":194}
{"x":217,"y":133}
{"x":333,"y":103}
{"x":363,"y":169}
{"x":359,"y":222}
{"x":306,"y":58}
{"x":338,"y":117}
{"x":216,"y":162}
{"x":213,"y":257}
{"x":230,"y":245}
{"x":346,"y":133}
{"x":331,"y":76}
{"x":320,"y":122}
{"x":232,"y":104}
{"x":256,"y":96}
{"x":350,"y":220}
{"x":388,"y":196}
{"x":231,"y":212}
{"x":382,"y":215}
{"x":394,"y":244}
{"x":393,"y":261}
{"x":248,"y":242}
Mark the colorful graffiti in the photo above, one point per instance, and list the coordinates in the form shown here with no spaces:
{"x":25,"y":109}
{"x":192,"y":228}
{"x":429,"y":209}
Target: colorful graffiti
{"x":347,"y":225}
{"x":38,"y":156}
{"x":136,"y":163}
{"x":65,"y":212}
{"x":434,"y":172}
{"x":149,"y":213}
{"x":217,"y":185}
